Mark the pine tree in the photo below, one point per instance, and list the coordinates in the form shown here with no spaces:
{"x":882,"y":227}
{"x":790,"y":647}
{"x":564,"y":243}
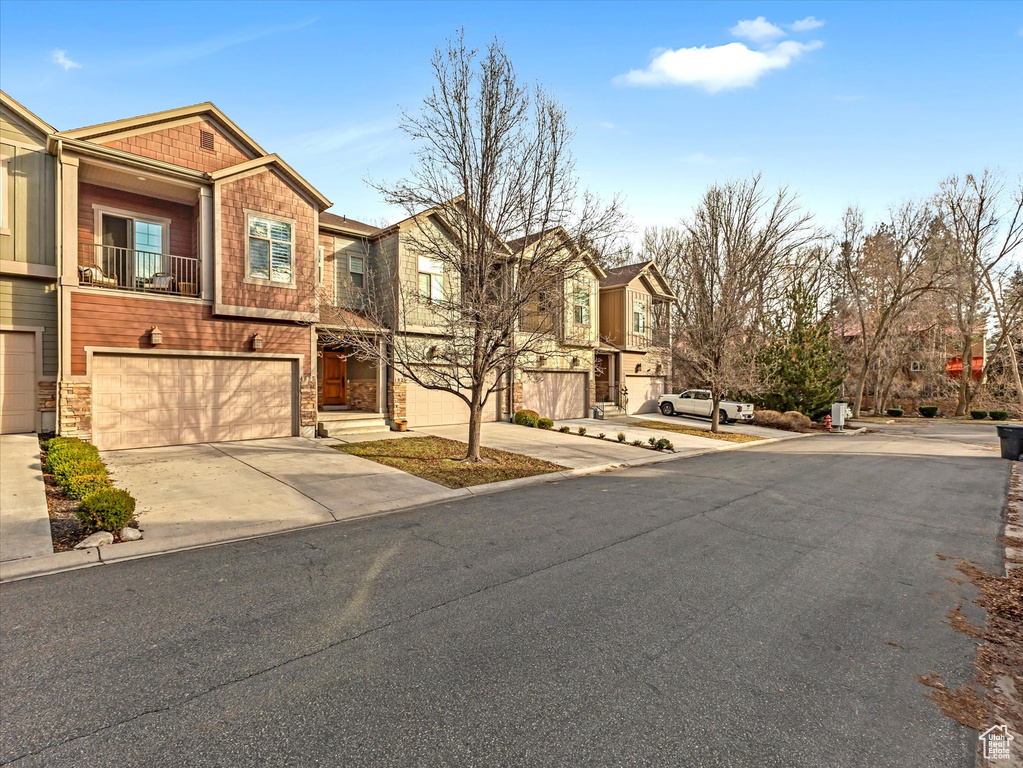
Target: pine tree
{"x":801,"y":370}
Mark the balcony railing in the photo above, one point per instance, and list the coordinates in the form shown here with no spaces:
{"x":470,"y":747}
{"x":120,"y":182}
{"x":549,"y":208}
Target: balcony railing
{"x":107,"y":266}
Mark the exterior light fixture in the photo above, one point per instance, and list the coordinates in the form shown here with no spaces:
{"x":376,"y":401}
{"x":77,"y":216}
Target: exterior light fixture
{"x":639,"y":367}
{"x":542,"y":360}
{"x":575,"y":361}
{"x":155,"y":336}
{"x":257,"y":341}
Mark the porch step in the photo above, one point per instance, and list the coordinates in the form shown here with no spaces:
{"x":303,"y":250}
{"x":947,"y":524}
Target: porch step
{"x":332,"y":423}
{"x":610,"y":410}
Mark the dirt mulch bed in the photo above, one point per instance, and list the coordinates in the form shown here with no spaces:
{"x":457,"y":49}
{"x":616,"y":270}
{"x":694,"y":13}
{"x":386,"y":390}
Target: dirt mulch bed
{"x":440,"y":461}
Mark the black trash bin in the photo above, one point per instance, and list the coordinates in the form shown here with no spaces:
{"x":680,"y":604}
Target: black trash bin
{"x":1011,"y":437}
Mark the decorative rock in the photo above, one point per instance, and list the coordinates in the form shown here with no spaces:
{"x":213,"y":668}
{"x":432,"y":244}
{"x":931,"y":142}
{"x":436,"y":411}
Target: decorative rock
{"x":98,"y":539}
{"x":130,"y":534}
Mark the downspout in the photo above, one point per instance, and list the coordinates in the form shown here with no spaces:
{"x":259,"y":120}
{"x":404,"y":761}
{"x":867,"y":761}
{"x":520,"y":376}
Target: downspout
{"x":58,"y":252}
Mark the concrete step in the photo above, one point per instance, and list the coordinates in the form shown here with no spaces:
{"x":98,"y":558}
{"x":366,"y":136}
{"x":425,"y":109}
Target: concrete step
{"x":332,"y":423}
{"x":610,"y":410}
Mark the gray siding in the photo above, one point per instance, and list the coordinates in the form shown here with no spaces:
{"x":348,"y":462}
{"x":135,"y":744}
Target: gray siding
{"x":28,"y":198}
{"x":24,"y":301}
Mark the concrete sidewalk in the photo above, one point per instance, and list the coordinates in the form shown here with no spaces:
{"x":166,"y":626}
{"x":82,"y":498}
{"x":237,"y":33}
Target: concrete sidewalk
{"x":24,"y":520}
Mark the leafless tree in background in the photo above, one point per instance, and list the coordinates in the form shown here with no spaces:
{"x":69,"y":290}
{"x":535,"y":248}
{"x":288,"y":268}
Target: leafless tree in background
{"x":729,"y":264}
{"x":981,"y":232}
{"x":493,"y":165}
{"x":884,"y":273}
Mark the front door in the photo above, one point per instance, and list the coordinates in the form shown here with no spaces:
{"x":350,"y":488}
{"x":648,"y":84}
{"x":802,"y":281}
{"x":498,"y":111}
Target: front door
{"x":335,"y":375}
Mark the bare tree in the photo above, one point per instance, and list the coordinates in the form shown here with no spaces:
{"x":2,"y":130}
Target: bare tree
{"x":884,"y":273}
{"x":497,"y":217}
{"x":981,"y":233}
{"x":729,"y":263}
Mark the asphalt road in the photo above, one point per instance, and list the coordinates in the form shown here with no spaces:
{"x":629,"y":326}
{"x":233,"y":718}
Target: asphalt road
{"x":973,"y":433}
{"x":764,"y":607}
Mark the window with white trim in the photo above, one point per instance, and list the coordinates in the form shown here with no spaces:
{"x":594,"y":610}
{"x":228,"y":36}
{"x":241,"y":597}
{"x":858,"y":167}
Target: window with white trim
{"x":639,"y":317}
{"x":271,"y":249}
{"x":357,"y":269}
{"x":581,"y":303}
{"x":431,"y":279}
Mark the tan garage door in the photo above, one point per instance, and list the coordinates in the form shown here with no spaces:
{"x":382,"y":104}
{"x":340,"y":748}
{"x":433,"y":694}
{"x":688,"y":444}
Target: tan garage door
{"x":434,"y":408}
{"x":643,"y":393}
{"x":555,"y":395}
{"x":17,"y":382}
{"x":146,"y":400}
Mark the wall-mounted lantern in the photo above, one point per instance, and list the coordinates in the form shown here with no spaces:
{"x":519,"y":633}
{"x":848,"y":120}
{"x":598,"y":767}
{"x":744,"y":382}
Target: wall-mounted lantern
{"x":639,"y":367}
{"x":431,"y":353}
{"x":541,"y":360}
{"x":575,"y":362}
{"x":257,"y":341}
{"x":155,"y":336}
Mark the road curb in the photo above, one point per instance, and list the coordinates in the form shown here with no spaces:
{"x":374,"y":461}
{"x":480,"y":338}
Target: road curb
{"x":29,"y":568}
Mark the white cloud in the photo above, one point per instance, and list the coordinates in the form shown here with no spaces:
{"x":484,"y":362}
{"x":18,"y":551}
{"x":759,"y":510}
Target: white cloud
{"x":60,"y":58}
{"x":758,"y":30}
{"x":805,"y":25}
{"x":718,"y":68}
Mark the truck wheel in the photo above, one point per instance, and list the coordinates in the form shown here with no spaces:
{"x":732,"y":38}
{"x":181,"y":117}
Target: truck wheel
{"x":667,"y":409}
{"x":722,"y":416}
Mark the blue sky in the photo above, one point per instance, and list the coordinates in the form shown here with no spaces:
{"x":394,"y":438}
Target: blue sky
{"x":867,"y":103}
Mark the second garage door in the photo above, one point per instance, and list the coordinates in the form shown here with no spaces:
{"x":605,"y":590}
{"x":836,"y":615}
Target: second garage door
{"x":553,"y":395}
{"x":436,"y":408}
{"x":146,"y":400}
{"x":17,"y":382}
{"x":643,"y":393}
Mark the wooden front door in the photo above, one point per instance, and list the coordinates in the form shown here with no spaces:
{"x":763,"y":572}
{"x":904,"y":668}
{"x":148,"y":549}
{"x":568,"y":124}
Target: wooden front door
{"x":335,"y":376}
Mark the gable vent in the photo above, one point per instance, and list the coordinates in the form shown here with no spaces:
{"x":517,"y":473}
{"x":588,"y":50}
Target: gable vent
{"x":206,"y":139}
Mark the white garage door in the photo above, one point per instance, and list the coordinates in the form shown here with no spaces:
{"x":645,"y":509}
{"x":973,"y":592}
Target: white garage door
{"x":643,"y":393}
{"x":17,"y":382}
{"x":434,"y":408}
{"x":555,"y":395}
{"x":146,"y":400}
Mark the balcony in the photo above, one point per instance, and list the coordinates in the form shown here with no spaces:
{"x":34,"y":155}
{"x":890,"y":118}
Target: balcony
{"x":124,"y":269}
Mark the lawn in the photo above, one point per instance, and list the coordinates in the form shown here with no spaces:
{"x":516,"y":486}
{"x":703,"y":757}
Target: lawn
{"x":437,"y":459}
{"x":729,"y":437}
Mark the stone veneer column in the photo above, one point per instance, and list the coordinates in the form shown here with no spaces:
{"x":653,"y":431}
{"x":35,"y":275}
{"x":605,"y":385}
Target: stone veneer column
{"x":396,"y":400}
{"x":76,"y":409}
{"x":307,"y":419}
{"x":47,"y":404}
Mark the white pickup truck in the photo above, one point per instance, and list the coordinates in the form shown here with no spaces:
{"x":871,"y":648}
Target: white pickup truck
{"x":698,"y":402}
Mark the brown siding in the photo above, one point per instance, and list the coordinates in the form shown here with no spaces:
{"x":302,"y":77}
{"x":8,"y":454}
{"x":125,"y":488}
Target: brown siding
{"x":328,"y":288}
{"x":182,"y":216}
{"x":180,"y":145}
{"x":612,"y":321}
{"x":110,"y":319}
{"x":266,"y":193}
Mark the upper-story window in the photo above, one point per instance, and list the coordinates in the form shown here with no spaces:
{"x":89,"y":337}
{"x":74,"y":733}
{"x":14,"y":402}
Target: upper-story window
{"x":357,"y":269}
{"x":431,"y":279}
{"x":581,"y":303}
{"x":271,"y":249}
{"x":639,"y":317}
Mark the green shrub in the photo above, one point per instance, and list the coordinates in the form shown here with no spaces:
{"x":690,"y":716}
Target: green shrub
{"x":896,"y":412}
{"x":978,"y":414}
{"x":652,"y":441}
{"x":107,"y":510}
{"x":60,"y":450}
{"x":82,"y":486}
{"x":601,"y":435}
{"x":582,"y":430}
{"x":638,"y":443}
{"x":72,"y":468}
{"x":668,"y":445}
{"x":663,"y":444}
{"x":527,"y":418}
{"x":621,"y":437}
{"x":928,"y":411}
{"x":999,"y":415}
{"x":545,"y":423}
{"x":565,"y":430}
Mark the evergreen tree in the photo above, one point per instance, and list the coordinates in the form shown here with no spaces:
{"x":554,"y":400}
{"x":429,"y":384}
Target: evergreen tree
{"x":801,"y":370}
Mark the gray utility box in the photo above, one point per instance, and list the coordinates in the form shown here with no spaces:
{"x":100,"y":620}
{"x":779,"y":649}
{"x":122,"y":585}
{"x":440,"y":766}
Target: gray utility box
{"x":838,"y":415}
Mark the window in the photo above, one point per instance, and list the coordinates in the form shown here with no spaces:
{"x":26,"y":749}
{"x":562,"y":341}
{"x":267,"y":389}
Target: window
{"x":581,"y":303}
{"x":431,"y":279}
{"x":4,"y":225}
{"x":638,"y":317}
{"x":357,"y":269}
{"x":270,"y":250}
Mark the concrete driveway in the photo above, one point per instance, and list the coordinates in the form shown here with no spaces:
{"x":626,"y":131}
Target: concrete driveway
{"x":970,"y":432}
{"x":693,"y":421}
{"x":570,"y":451}
{"x":217,"y":491}
{"x":24,"y":520}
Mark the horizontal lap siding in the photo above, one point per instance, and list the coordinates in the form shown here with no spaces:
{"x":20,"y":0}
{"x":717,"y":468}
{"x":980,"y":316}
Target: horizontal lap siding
{"x":266,"y":193}
{"x":24,"y":301}
{"x":182,"y":217}
{"x":106,"y":319}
